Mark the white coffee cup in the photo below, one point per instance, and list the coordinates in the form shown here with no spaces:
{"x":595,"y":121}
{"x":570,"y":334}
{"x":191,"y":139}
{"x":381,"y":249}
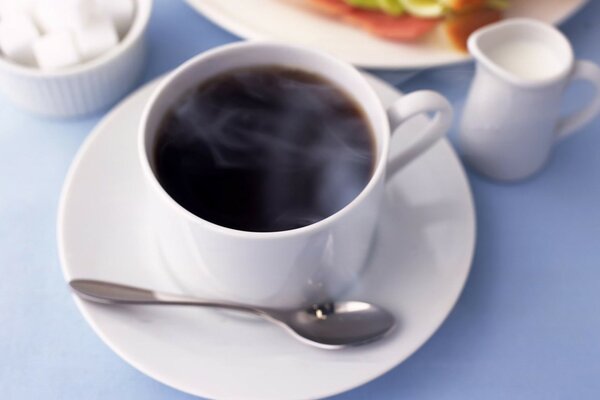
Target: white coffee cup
{"x":287,"y":268}
{"x":511,"y":119}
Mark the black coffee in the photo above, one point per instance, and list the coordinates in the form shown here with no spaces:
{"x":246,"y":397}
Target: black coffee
{"x":264,"y":149}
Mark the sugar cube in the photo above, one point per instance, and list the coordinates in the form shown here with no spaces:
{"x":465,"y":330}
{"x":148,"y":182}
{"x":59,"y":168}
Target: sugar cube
{"x":96,"y":38}
{"x":8,"y":7}
{"x":58,"y":15}
{"x":49,"y":17}
{"x":17,"y":35}
{"x":120,"y":11}
{"x":56,"y":50}
{"x":79,"y":12}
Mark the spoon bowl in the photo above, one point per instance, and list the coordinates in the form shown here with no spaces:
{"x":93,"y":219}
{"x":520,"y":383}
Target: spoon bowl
{"x":340,"y":324}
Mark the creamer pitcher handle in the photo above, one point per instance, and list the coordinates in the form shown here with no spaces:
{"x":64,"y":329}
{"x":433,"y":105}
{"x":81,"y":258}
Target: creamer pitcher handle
{"x":586,"y":71}
{"x":413,"y":104}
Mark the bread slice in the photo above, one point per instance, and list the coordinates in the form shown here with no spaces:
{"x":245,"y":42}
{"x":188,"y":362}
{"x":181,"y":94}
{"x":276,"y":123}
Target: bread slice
{"x":460,"y":26}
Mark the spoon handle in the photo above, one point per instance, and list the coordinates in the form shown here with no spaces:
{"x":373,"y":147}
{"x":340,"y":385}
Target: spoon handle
{"x":113,"y":293}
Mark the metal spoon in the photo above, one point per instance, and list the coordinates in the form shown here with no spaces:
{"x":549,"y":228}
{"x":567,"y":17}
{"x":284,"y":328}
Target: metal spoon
{"x":330,"y":325}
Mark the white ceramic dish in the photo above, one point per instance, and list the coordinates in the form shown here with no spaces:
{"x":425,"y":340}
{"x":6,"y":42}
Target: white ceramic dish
{"x":82,"y":89}
{"x":290,"y":21}
{"x":526,"y":80}
{"x":420,"y":262}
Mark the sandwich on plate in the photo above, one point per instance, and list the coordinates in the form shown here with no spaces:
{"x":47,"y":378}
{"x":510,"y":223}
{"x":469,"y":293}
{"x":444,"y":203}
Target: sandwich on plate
{"x":411,"y":20}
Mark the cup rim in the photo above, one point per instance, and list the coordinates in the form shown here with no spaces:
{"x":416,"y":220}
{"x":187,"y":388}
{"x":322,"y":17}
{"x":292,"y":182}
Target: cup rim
{"x":140,"y":21}
{"x":480,"y":56}
{"x":376,"y":176}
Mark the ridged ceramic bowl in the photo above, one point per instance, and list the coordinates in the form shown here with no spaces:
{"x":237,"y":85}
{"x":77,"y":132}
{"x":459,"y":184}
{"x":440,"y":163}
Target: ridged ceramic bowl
{"x":82,"y":89}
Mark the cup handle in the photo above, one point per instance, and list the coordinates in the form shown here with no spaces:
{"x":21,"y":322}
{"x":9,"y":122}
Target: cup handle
{"x":410,"y":105}
{"x":586,"y":71}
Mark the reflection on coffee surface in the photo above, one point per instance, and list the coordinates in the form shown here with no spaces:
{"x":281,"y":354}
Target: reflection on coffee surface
{"x":264,"y":149}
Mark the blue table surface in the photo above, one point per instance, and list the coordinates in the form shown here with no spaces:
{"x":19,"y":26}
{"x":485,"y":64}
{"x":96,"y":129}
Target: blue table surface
{"x":526,"y":327}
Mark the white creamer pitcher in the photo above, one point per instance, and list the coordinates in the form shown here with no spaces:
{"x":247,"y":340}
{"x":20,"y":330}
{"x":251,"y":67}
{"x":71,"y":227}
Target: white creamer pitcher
{"x":511,"y":118}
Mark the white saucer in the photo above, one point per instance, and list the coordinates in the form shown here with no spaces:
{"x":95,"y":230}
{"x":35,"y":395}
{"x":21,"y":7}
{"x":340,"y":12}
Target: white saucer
{"x":420,"y":263}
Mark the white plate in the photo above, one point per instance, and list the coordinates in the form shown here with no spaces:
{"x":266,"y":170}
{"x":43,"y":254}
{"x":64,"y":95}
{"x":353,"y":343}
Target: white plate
{"x":290,"y":21}
{"x":421,"y":260}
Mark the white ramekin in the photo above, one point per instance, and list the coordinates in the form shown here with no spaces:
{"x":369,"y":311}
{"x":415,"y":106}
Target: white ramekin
{"x":82,"y":89}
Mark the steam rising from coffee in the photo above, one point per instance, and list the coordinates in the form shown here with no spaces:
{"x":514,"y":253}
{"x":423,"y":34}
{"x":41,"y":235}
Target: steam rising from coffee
{"x":264,"y":149}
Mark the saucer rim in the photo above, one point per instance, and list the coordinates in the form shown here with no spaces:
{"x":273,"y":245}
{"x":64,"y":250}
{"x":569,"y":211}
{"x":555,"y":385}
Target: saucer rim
{"x":184,"y":386}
